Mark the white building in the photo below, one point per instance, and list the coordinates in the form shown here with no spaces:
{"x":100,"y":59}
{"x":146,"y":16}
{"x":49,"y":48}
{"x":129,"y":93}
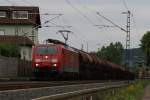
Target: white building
{"x":20,"y":21}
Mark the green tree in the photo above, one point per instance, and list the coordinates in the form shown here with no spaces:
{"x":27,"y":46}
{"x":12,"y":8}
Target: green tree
{"x":145,"y":45}
{"x":9,"y":50}
{"x":113,"y":52}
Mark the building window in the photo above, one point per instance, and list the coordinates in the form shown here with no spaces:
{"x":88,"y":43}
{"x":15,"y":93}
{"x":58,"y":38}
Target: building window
{"x":2,"y":32}
{"x":2,"y":13}
{"x":20,"y":14}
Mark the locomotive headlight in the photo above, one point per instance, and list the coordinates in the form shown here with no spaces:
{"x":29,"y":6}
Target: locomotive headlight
{"x":36,"y":65}
{"x":37,"y":60}
{"x":54,"y":65}
{"x":54,"y":60}
{"x":46,"y":57}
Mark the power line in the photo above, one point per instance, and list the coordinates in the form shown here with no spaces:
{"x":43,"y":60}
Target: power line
{"x":12,"y":3}
{"x":54,"y":25}
{"x":80,"y":37}
{"x":46,"y":22}
{"x":98,"y":19}
{"x":103,"y":26}
{"x":111,"y":22}
{"x":88,"y":9}
{"x":125,"y":4}
{"x":88,"y":19}
{"x":26,"y":2}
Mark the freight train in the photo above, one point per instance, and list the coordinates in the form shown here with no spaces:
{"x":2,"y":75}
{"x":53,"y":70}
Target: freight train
{"x":59,"y":61}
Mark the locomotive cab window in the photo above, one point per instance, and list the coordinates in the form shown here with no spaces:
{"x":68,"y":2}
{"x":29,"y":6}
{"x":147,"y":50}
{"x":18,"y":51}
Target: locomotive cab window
{"x":46,"y":50}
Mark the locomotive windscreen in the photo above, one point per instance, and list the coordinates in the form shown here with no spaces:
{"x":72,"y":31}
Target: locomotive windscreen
{"x":46,"y":50}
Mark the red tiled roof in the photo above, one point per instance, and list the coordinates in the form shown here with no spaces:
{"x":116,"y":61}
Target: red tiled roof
{"x":34,"y":16}
{"x":20,"y":40}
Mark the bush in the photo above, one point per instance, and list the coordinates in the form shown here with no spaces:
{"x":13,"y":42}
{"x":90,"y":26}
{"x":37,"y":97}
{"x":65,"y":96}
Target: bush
{"x":9,"y":50}
{"x":134,"y":91}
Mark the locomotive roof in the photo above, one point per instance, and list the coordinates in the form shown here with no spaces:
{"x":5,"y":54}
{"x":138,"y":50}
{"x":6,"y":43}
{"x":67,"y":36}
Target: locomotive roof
{"x":58,"y":45}
{"x":45,"y":45}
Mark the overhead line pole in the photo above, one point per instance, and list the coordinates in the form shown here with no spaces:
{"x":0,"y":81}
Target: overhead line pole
{"x":128,"y":53}
{"x":128,"y":38}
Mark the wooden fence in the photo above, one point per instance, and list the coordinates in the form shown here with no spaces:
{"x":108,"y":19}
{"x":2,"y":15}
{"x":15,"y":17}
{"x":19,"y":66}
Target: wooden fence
{"x":25,"y":68}
{"x":13,"y":67}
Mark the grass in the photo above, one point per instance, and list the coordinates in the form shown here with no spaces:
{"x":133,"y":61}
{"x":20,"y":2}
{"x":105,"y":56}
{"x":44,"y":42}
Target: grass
{"x":133,"y":91}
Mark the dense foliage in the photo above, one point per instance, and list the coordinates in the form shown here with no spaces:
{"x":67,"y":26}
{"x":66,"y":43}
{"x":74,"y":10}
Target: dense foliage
{"x":113,"y":53}
{"x":9,"y":50}
{"x":145,"y":45}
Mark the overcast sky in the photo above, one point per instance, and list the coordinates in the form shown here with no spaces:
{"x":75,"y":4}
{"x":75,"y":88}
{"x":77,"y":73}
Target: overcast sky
{"x":81,"y":15}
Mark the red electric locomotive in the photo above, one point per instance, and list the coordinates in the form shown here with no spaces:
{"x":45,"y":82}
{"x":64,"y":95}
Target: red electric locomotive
{"x":54,"y":61}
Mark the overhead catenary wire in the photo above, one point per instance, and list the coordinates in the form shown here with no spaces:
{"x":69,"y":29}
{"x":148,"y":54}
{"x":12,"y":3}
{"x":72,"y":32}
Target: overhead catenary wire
{"x":98,"y":19}
{"x":10,"y":2}
{"x":47,"y":21}
{"x":85,"y":16}
{"x":88,"y":19}
{"x":25,"y":1}
{"x":100,"y":26}
{"x":111,"y":22}
{"x":92,"y":10}
{"x":82,"y":14}
{"x":125,"y":4}
{"x":55,"y":25}
{"x":79,"y":36}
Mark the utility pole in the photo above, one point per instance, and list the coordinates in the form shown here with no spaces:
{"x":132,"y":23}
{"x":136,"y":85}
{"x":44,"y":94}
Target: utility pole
{"x":63,"y":32}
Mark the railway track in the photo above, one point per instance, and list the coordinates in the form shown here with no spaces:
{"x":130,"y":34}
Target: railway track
{"x":31,"y":90}
{"x":38,"y":84}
